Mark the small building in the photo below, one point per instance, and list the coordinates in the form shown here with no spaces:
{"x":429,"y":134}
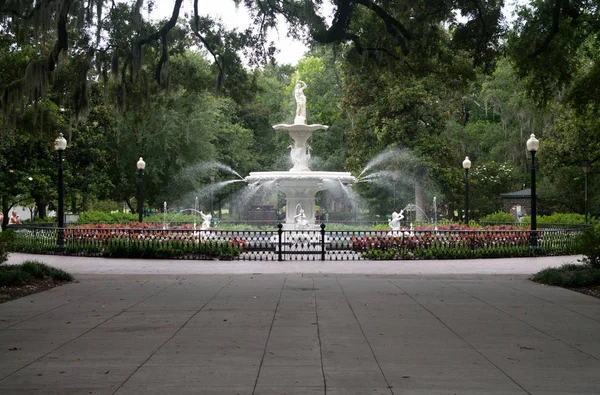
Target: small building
{"x":517,"y":203}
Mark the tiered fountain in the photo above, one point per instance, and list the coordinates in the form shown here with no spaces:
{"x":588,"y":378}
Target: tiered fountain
{"x":300,"y":184}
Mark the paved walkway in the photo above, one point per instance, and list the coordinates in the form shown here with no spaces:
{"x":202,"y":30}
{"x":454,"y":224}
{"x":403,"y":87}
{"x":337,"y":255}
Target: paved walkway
{"x":512,"y":266}
{"x":375,"y":330}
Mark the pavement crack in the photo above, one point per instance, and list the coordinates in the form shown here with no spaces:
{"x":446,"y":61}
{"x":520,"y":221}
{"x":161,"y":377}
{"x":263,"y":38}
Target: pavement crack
{"x":319,"y":336}
{"x":262,"y":359}
{"x":388,"y":385}
{"x":525,"y":322}
{"x":459,"y":336}
{"x":174,"y":334}
{"x":88,"y":331}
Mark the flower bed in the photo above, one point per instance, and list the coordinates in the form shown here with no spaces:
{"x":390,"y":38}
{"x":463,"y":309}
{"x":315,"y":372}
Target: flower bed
{"x":457,"y":244}
{"x":136,"y":242}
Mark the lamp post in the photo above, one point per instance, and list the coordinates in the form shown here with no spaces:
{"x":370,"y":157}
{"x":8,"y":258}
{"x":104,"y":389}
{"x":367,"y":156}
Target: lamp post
{"x":532,"y":146}
{"x":60,"y":144}
{"x":586,"y":166}
{"x":395,"y":178}
{"x":212,"y":193}
{"x":141,"y":165}
{"x":466,"y":165}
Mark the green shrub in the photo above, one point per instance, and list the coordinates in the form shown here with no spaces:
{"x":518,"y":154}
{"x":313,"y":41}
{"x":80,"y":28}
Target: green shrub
{"x":588,"y":244}
{"x":569,"y":275}
{"x":558,"y":218}
{"x":498,"y":216}
{"x":7,"y":244}
{"x":101,"y":217}
{"x":30,"y":270}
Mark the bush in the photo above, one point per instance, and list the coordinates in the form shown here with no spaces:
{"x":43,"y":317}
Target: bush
{"x":558,"y":218}
{"x":101,"y":217}
{"x":588,"y":244}
{"x":7,"y":240}
{"x":498,"y":216}
{"x":30,"y":270}
{"x":569,"y":275}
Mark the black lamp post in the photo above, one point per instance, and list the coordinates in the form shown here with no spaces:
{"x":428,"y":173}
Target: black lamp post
{"x":395,"y":178}
{"x":466,"y":165}
{"x":586,"y":166}
{"x":212,"y":193}
{"x":141,"y":165}
{"x":532,"y":146}
{"x":60,"y":144}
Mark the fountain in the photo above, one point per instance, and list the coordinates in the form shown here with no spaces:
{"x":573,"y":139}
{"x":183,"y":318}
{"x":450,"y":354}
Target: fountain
{"x":300,"y":184}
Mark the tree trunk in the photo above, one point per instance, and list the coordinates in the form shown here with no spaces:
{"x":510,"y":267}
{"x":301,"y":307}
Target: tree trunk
{"x":85,"y":202}
{"x":5,"y":209}
{"x":128,"y":202}
{"x":41,"y":209}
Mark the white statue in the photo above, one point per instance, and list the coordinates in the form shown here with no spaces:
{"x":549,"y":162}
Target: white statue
{"x":300,"y":102}
{"x":207,"y":220}
{"x":300,"y":218}
{"x":394,"y":223}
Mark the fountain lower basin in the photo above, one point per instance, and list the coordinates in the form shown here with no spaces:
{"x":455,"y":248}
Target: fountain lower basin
{"x":300,"y":188}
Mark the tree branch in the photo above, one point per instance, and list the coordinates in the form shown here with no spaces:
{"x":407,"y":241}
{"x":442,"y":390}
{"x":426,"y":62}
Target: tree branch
{"x":553,"y":30}
{"x":161,"y":34}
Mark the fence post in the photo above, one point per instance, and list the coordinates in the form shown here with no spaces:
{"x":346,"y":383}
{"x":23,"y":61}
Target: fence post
{"x":322,"y":242}
{"x":279,"y":234}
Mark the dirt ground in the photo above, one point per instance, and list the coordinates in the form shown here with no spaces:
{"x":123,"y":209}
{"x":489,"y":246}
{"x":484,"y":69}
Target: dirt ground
{"x":12,"y":292}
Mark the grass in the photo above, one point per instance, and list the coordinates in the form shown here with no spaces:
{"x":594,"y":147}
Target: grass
{"x":569,"y":276}
{"x":30,"y":271}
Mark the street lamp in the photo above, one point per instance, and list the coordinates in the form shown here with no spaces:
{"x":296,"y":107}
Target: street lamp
{"x":395,"y":178}
{"x":141,"y":165}
{"x":532,"y":146}
{"x":586,"y":166}
{"x":212,"y":193}
{"x":466,"y":165}
{"x":60,"y":144}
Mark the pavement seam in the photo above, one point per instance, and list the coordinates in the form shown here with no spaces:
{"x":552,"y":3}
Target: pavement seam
{"x":269,"y":336}
{"x":524,"y":322}
{"x":319,"y":336}
{"x":550,"y":301}
{"x":51,"y":310}
{"x":389,"y":386}
{"x":459,"y":336}
{"x":172,"y":336}
{"x":88,"y":331}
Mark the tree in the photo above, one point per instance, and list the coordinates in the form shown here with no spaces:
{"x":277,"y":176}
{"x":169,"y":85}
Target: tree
{"x":130,"y":37}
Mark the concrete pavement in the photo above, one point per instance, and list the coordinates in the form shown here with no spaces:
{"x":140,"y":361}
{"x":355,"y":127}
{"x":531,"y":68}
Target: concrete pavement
{"x":384,"y":329}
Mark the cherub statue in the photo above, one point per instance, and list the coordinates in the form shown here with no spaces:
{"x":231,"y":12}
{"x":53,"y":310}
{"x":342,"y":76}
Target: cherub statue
{"x":300,"y":218}
{"x":207,"y":220}
{"x":394,"y":223}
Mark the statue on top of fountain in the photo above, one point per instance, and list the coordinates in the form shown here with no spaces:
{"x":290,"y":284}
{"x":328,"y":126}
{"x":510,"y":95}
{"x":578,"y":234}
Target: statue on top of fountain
{"x":300,"y":131}
{"x":300,"y":101}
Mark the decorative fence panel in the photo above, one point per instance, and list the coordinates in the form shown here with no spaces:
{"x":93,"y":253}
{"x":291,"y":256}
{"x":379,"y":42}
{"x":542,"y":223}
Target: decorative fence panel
{"x":280,"y":245}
